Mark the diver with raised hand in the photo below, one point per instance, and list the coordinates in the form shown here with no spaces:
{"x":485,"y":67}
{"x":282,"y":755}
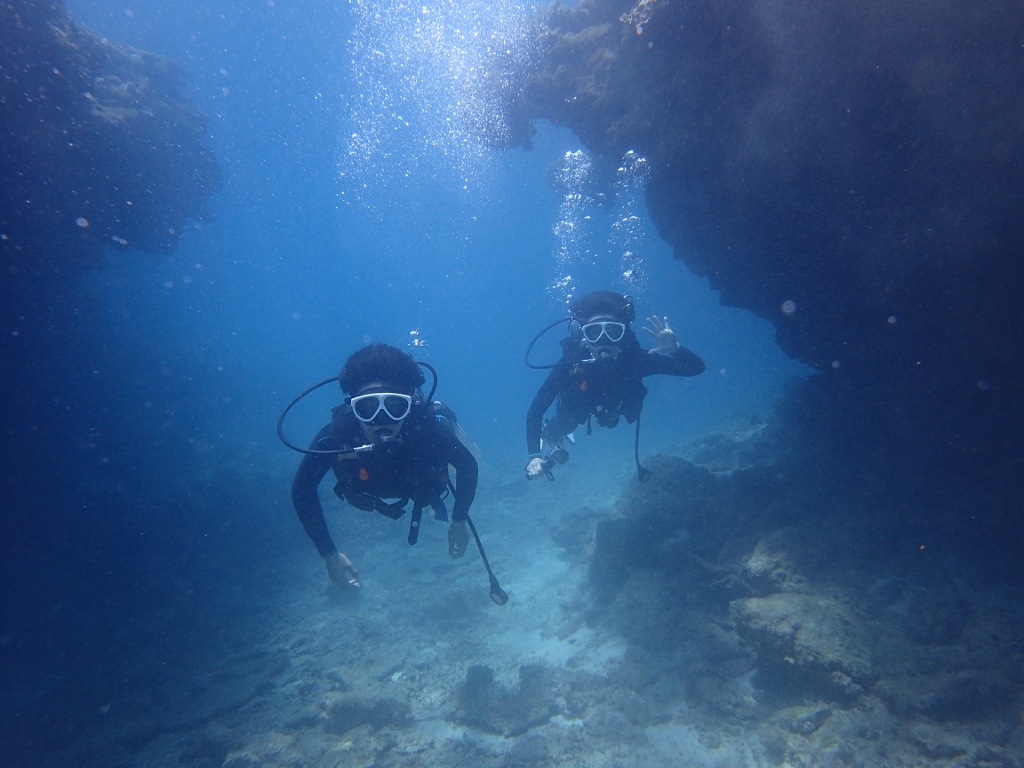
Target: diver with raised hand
{"x":389,"y":447}
{"x":599,"y":377}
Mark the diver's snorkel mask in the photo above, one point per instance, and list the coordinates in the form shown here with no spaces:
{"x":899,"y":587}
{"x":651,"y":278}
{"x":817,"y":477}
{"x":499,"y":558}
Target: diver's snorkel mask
{"x":382,"y":413}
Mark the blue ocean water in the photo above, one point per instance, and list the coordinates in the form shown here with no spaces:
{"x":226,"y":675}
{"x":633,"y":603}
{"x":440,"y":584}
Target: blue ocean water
{"x":318,"y":244}
{"x":453,"y":242}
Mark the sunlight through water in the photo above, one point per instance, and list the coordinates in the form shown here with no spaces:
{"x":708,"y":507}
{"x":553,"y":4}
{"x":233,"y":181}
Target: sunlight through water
{"x":427,"y":86}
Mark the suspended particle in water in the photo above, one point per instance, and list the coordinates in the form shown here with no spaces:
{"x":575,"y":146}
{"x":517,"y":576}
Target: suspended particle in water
{"x":82,"y":222}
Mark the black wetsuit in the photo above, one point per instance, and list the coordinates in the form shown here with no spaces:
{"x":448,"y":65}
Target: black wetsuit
{"x":414,"y":468}
{"x":605,"y":389}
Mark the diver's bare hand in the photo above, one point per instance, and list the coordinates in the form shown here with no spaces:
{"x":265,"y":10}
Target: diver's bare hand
{"x":663,"y":335}
{"x":339,"y":568}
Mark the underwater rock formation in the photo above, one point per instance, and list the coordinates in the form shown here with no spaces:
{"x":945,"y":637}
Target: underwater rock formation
{"x":486,"y":704}
{"x":811,"y":637}
{"x":100,"y":146}
{"x":852,"y":173}
{"x":372,"y":705}
{"x":764,"y":596}
{"x":100,"y":150}
{"x":680,"y":521}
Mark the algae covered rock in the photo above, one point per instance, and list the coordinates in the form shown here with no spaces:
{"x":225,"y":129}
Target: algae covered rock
{"x":371,"y":705}
{"x":807,"y":641}
{"x":487,"y":704}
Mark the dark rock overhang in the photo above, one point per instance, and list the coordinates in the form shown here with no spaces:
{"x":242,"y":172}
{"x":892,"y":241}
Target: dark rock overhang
{"x":850,"y":171}
{"x":101,"y":148}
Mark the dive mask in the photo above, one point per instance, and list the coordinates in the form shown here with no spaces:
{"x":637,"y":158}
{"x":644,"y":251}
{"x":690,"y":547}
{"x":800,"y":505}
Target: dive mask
{"x":610,"y":329}
{"x":366,"y":408}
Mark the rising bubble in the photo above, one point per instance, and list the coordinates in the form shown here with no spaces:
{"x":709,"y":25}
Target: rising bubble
{"x":572,"y":180}
{"x":429,"y":84}
{"x":629,"y":230}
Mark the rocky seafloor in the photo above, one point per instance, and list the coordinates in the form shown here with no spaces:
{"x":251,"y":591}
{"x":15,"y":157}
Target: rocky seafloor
{"x":718,"y":615}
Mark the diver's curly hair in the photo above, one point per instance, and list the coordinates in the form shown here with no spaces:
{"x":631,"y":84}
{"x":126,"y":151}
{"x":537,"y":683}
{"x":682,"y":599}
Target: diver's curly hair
{"x":603,"y":303}
{"x":383,"y":363}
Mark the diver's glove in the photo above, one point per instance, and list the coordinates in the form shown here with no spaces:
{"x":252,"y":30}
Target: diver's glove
{"x":458,"y":539}
{"x":538,"y":465}
{"x":339,"y":568}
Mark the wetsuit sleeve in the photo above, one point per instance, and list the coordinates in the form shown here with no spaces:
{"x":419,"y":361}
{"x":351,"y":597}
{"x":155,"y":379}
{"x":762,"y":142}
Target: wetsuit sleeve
{"x":541,"y":402}
{"x":304,"y":496}
{"x":682,"y":362}
{"x":465,"y":481}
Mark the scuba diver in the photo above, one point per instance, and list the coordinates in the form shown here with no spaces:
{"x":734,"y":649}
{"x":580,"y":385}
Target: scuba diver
{"x":388,"y":446}
{"x":599,"y":377}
